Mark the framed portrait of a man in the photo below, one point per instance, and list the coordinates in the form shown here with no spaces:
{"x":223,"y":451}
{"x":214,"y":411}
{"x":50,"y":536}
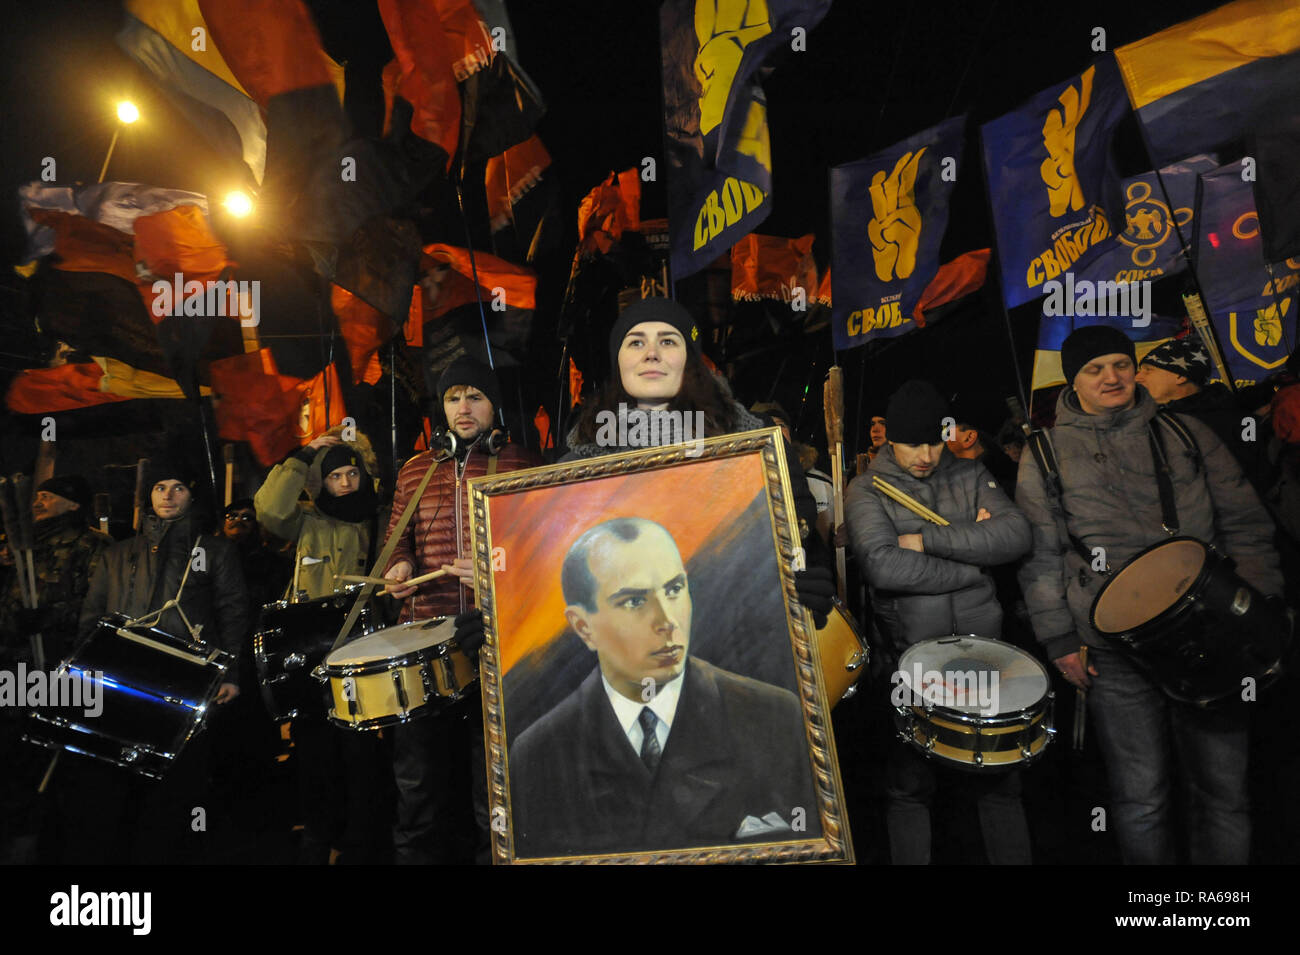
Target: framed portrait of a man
{"x":650,"y":681}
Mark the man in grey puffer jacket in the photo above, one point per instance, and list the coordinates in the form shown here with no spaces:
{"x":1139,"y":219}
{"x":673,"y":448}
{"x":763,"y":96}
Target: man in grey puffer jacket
{"x":930,"y":581}
{"x":1111,"y":501}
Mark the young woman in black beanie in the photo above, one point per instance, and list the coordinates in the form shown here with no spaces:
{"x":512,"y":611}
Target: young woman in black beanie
{"x":656,"y":365}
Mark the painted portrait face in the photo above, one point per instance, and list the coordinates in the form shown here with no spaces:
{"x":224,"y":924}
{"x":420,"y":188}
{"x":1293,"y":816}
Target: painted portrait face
{"x":1106,"y":383}
{"x":651,"y":361}
{"x":918,"y":460}
{"x":468,"y":410}
{"x":170,"y":499}
{"x":642,"y":624}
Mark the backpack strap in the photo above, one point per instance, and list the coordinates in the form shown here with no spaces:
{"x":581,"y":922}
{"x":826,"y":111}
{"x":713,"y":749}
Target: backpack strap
{"x":1040,"y":445}
{"x":1184,"y":435}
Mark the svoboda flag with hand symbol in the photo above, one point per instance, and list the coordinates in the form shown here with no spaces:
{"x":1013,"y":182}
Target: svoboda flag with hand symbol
{"x":888,"y":216}
{"x":1051,"y":178}
{"x":715,"y":116}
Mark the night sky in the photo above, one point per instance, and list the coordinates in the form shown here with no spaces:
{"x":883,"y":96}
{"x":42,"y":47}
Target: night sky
{"x":873,"y":73}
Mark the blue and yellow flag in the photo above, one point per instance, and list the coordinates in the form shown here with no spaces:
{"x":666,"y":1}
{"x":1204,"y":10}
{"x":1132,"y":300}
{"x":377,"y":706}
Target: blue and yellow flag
{"x":1257,"y":336}
{"x":1050,"y":175}
{"x":888,"y":216}
{"x":1228,"y":252}
{"x":715,"y":115}
{"x":1229,"y":76}
{"x":1213,"y":79}
{"x":1156,"y":210}
{"x":1253,"y":307}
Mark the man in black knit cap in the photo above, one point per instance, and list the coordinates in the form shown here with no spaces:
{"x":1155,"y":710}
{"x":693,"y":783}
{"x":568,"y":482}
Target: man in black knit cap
{"x":929,"y":581}
{"x":1104,"y":442}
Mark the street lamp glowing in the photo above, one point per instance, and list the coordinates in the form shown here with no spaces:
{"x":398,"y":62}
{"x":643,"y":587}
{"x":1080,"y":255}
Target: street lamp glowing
{"x":238,"y":204}
{"x":126,"y":112}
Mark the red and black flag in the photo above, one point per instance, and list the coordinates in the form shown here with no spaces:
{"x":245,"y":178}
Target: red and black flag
{"x":718,"y":151}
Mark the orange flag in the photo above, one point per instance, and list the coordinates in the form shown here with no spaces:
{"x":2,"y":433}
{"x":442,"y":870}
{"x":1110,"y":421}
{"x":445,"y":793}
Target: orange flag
{"x":770,"y":267}
{"x":365,"y":330}
{"x":542,"y":422}
{"x":608,"y":210}
{"x":510,"y":176}
{"x":575,"y":384}
{"x":84,"y":245}
{"x":955,"y":279}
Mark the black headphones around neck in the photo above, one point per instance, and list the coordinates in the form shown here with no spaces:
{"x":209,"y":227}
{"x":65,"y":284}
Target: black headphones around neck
{"x":493,"y":442}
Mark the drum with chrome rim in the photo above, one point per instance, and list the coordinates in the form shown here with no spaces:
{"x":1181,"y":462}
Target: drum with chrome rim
{"x":843,"y":652}
{"x":396,"y":674}
{"x":154,"y":691}
{"x":975,"y":703}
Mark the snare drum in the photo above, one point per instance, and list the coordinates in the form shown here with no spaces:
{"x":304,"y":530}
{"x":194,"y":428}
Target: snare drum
{"x":975,"y":703}
{"x":395,"y":674}
{"x":843,"y":653}
{"x":154,"y":690}
{"x":1179,"y":610}
{"x":292,"y":639}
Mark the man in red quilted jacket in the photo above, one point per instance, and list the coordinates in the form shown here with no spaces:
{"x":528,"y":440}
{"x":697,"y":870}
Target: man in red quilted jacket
{"x":438,"y":760}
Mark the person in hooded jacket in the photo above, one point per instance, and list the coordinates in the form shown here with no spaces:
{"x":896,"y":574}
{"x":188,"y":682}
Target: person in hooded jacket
{"x":341,"y":774}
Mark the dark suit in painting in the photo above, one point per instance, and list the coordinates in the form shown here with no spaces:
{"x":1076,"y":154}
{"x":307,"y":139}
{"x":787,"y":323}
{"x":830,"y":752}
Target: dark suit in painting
{"x":737,"y":749}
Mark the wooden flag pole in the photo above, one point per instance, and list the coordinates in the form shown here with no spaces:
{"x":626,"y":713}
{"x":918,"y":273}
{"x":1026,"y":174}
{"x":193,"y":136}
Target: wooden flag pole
{"x":833,"y":406}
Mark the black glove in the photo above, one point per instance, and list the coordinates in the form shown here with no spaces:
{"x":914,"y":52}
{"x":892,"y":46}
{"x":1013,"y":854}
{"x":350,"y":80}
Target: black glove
{"x":469,"y":634}
{"x":815,"y":588}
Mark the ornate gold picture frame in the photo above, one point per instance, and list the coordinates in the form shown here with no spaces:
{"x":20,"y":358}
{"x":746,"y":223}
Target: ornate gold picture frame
{"x":653,"y":580}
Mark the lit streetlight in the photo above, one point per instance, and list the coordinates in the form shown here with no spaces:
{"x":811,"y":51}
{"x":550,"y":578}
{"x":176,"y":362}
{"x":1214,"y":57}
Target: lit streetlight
{"x":238,"y":204}
{"x":126,"y":114}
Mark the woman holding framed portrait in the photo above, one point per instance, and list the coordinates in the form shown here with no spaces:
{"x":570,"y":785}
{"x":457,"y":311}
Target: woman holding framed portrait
{"x":662,"y":394}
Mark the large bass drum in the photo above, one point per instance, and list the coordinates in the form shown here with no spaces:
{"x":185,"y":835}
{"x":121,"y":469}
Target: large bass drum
{"x":1197,"y":628}
{"x":154,"y":690}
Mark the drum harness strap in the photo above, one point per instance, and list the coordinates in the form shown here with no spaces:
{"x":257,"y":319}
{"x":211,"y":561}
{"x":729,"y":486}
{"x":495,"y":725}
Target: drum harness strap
{"x":1040,"y":444}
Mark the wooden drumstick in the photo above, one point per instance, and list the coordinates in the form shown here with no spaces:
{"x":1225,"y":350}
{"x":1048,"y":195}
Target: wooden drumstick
{"x":909,"y":502}
{"x":358,"y":579}
{"x":389,"y":582}
{"x":415,"y":581}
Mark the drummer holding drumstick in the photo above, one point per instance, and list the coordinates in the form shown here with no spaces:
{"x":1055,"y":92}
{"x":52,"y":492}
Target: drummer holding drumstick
{"x":439,"y":759}
{"x":930,"y":580}
{"x":1105,"y":442}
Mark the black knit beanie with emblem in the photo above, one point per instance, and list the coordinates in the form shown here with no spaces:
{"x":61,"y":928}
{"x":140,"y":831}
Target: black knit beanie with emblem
{"x":1091,"y":341}
{"x":652,"y":310}
{"x":916,"y":412}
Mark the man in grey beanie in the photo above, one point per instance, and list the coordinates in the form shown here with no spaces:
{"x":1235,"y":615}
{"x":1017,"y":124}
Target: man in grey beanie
{"x":1106,"y":427}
